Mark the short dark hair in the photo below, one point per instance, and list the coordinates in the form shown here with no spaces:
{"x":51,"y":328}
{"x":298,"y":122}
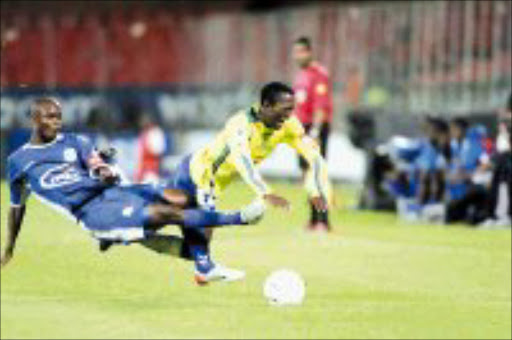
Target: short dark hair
{"x":440,"y":125}
{"x":42,"y":100}
{"x":460,"y":122}
{"x":271,"y":92}
{"x":305,"y":41}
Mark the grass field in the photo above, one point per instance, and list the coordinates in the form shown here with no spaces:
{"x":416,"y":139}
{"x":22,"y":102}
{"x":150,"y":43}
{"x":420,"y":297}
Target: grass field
{"x":374,"y":277}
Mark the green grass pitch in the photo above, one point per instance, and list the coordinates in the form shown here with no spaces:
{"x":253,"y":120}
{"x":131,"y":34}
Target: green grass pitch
{"x":374,"y":277}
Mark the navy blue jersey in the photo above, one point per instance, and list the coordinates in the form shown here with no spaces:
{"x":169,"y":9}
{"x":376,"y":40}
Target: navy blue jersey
{"x":430,"y":158}
{"x":57,"y":172}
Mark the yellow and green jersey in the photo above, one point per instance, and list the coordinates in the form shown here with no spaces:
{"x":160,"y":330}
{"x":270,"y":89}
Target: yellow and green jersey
{"x":244,"y":143}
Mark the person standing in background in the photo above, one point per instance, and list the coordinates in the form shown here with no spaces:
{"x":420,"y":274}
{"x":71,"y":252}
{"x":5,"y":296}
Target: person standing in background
{"x":353,"y":89}
{"x":313,"y":96}
{"x":151,"y":148}
{"x":499,"y":207}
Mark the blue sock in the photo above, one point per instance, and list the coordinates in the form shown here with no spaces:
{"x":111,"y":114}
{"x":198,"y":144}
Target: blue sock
{"x":198,"y":218}
{"x":201,"y":258}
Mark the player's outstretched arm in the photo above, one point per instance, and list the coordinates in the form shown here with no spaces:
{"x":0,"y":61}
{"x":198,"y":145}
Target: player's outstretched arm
{"x":14,"y":222}
{"x":317,"y":181}
{"x":238,"y":143}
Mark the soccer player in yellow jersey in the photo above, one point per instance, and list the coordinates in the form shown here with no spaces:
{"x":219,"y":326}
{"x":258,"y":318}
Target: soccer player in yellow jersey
{"x":248,"y":137}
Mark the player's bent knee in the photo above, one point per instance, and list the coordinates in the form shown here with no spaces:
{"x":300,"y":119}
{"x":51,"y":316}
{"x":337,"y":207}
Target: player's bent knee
{"x":165,"y":214}
{"x":177,"y":198}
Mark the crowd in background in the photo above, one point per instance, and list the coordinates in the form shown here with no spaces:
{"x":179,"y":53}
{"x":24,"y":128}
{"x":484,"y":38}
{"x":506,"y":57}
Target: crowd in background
{"x":454,"y":173}
{"x":397,"y":55}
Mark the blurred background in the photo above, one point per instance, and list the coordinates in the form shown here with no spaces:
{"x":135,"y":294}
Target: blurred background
{"x":182,"y":67}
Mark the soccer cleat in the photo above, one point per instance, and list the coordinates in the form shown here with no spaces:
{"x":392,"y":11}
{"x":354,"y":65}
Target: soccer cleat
{"x":218,"y":273}
{"x":503,"y":223}
{"x":321,"y":227}
{"x":495,"y":224}
{"x":318,"y":227}
{"x":105,"y":245}
{"x":487,"y":224}
{"x":253,"y":212}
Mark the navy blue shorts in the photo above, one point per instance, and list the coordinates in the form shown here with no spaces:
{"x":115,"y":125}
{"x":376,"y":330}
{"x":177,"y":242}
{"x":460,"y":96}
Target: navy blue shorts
{"x":120,"y":213}
{"x":180,"y":178}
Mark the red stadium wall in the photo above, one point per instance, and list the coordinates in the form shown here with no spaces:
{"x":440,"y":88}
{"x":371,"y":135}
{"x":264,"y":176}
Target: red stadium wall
{"x":417,"y":51}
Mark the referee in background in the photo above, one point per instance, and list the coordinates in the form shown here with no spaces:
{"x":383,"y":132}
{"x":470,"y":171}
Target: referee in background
{"x":313,"y":96}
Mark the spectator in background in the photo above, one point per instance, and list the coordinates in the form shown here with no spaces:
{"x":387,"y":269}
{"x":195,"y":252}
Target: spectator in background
{"x":467,"y":173}
{"x":353,"y":89}
{"x":401,"y":175}
{"x":431,"y":166}
{"x":499,"y":203}
{"x":432,"y":161}
{"x":313,"y":95}
{"x":151,"y":148}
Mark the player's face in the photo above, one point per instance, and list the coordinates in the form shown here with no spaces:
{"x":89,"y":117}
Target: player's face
{"x":302,"y":55}
{"x":48,"y":121}
{"x":455,"y":131}
{"x":275,"y":115}
{"x":443,"y":138}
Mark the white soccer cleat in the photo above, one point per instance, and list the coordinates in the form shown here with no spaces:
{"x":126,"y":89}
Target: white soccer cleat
{"x":219,"y":273}
{"x":487,"y":224}
{"x":253,"y":212}
{"x":495,"y":224}
{"x":503,"y":223}
{"x":434,"y":213}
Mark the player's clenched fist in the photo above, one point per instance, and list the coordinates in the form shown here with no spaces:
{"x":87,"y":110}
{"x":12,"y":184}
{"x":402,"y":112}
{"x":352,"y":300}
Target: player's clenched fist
{"x":277,"y":201}
{"x":106,"y":175}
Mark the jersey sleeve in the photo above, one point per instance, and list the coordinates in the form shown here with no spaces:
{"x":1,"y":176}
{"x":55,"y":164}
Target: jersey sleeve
{"x":317,"y":179}
{"x":238,"y":142}
{"x":89,"y":155}
{"x":17,"y":184}
{"x":85,"y":149}
{"x":320,"y":93}
{"x":429,"y":159}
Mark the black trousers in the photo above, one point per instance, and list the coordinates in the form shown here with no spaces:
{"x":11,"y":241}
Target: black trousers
{"x":325,"y":129}
{"x":470,"y":208}
{"x":502,"y":174}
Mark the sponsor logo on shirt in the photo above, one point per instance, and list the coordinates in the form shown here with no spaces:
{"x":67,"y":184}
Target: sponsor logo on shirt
{"x":59,"y":176}
{"x":70,"y":155}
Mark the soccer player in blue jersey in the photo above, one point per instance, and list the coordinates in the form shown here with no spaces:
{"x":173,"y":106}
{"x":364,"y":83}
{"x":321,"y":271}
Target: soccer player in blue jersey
{"x":67,"y":172}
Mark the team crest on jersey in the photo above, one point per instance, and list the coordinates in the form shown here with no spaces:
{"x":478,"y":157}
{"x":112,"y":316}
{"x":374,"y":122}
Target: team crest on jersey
{"x":59,"y":176}
{"x":70,"y":155}
{"x":321,"y":88}
{"x":300,"y":96}
{"x":128,"y":211}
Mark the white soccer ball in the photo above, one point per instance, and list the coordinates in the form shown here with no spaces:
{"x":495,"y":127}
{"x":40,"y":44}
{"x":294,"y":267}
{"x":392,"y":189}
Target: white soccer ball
{"x":284,"y":287}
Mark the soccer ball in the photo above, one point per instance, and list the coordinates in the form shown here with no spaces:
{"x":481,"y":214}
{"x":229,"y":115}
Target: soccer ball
{"x":284,"y":287}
